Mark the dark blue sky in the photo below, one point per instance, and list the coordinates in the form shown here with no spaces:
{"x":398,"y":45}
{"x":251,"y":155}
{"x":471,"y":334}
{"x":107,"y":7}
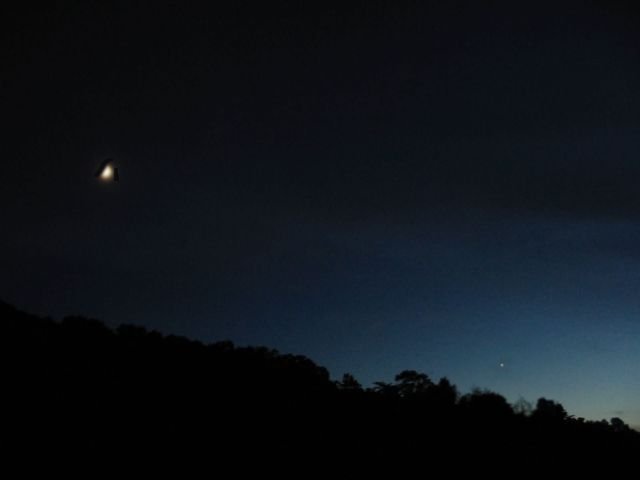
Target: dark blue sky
{"x":435,"y":187}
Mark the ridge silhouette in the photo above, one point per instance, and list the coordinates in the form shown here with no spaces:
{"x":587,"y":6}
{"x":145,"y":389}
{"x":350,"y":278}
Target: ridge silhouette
{"x":79,"y":383}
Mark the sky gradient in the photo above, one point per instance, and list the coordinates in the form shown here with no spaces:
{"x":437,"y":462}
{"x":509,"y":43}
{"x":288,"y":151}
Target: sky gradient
{"x":440,"y":187}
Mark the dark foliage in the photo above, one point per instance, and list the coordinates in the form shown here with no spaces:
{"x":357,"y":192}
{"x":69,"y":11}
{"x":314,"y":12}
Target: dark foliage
{"x":77,"y":385}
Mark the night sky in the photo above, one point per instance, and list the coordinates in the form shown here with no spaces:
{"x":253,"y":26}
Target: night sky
{"x":379,"y":186}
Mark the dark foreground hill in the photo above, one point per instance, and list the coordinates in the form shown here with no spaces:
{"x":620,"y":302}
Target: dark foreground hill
{"x":77,"y":385}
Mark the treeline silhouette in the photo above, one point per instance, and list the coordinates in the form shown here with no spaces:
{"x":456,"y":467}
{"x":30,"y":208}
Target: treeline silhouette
{"x":80,"y":384}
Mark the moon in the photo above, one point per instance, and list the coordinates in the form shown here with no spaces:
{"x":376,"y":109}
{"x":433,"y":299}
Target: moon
{"x":107,"y":173}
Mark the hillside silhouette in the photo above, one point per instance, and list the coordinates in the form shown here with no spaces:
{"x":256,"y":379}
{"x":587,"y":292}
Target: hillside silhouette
{"x":83,"y":385}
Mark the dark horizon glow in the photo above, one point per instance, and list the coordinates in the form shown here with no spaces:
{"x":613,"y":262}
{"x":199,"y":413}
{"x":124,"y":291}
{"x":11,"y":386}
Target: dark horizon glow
{"x":430,"y":187}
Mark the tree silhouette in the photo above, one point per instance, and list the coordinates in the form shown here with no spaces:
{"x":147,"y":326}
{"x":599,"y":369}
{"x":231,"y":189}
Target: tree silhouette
{"x":523,"y":407}
{"x":485,"y":404}
{"x":349,"y":382}
{"x":80,"y":384}
{"x":549,"y":411}
{"x":411,"y":383}
{"x":446,"y":393}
